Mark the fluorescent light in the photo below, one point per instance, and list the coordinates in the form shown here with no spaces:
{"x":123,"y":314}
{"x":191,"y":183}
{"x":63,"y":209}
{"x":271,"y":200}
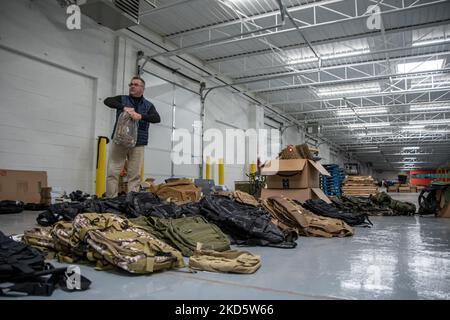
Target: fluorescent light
{"x":431,"y":41}
{"x":344,"y":54}
{"x":298,"y":60}
{"x":430,"y":122}
{"x":331,"y":92}
{"x":368,"y":125}
{"x":438,"y":131}
{"x":435,"y":84}
{"x":414,"y":127}
{"x":420,"y":66}
{"x":411,"y":148}
{"x":428,"y":107}
{"x":361,"y":111}
{"x":374,"y":134}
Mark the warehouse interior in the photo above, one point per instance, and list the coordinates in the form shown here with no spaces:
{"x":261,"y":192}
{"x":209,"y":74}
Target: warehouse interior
{"x":364,"y":85}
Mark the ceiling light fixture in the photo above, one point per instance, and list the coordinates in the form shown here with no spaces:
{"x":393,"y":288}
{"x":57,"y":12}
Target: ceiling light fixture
{"x":420,"y":66}
{"x":368,"y":125}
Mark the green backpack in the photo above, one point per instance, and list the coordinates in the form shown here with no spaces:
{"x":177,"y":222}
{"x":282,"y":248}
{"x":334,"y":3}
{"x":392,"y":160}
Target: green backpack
{"x":187,"y":233}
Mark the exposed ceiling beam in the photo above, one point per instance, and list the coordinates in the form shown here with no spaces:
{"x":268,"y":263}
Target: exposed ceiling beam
{"x":369,"y":34}
{"x":330,"y":64}
{"x":159,"y":9}
{"x":401,"y":96}
{"x":250,"y":18}
{"x":287,"y":74}
{"x":346,"y":81}
{"x":251,"y":36}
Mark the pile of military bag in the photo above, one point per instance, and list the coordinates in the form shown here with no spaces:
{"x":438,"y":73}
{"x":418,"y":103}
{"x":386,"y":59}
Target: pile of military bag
{"x":186,"y":233}
{"x":291,"y":215}
{"x":245,"y":224}
{"x":435,"y":199}
{"x":133,"y":204}
{"x":399,"y":208}
{"x":320,"y":207}
{"x":23,"y":270}
{"x":11,"y":206}
{"x":179,"y":191}
{"x":360,"y":205}
{"x":300,"y":151}
{"x":107,"y":240}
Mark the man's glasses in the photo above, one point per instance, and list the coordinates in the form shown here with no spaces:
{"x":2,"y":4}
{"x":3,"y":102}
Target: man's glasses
{"x":134,"y":85}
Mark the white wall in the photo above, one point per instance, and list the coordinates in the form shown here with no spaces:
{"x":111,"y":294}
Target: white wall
{"x":53,"y":83}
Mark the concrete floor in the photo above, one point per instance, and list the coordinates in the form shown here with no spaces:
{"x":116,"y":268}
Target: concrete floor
{"x":399,"y":258}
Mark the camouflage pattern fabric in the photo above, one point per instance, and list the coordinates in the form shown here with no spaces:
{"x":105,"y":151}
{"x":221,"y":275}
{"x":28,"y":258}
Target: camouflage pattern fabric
{"x":399,"y":208}
{"x":360,"y":205}
{"x":300,"y":151}
{"x":40,"y":238}
{"x":124,"y":244}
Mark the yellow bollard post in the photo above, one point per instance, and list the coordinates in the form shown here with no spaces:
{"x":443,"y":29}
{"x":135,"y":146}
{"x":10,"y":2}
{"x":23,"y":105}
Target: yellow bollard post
{"x":221,"y":172}
{"x":142,"y":170}
{"x":100,"y":174}
{"x":208,"y":168}
{"x":252,"y":168}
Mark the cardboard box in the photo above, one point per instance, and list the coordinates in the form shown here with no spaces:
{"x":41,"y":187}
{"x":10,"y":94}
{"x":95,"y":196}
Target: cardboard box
{"x":392,"y":189}
{"x":293,"y":174}
{"x":296,"y":194}
{"x":404,"y":189}
{"x":22,"y":185}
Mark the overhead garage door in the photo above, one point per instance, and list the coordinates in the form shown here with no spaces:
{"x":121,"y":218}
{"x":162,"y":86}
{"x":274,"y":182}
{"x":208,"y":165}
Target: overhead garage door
{"x":47,"y":121}
{"x":178,"y":108}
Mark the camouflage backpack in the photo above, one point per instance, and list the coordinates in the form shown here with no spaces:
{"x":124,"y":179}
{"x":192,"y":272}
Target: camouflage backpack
{"x":401,"y":208}
{"x":180,"y":191}
{"x":39,"y":237}
{"x":126,"y":131}
{"x":293,"y":215}
{"x":124,"y":244}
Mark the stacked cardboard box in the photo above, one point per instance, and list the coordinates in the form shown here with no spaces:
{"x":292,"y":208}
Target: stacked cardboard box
{"x":22,"y":185}
{"x":359,"y":186}
{"x":297,"y":179}
{"x":393,"y":188}
{"x":46,"y":195}
{"x":404,"y":187}
{"x":413,"y":189}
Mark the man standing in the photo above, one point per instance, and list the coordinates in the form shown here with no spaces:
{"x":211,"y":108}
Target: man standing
{"x":143,"y":111}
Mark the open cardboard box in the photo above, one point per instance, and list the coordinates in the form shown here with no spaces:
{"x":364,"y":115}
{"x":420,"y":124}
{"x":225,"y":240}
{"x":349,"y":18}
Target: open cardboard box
{"x":296,"y":194}
{"x":293,"y":173}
